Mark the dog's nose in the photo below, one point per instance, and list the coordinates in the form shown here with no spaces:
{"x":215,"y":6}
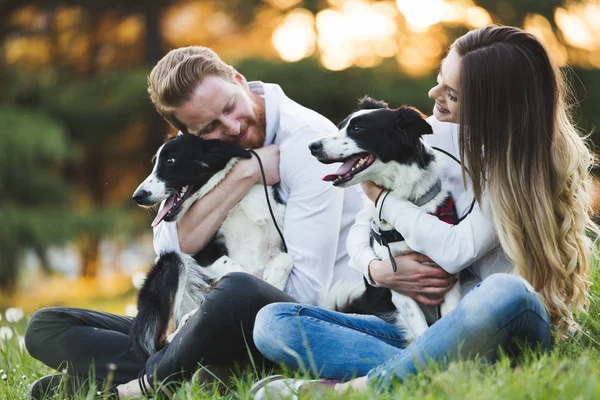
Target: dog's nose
{"x":315,"y":146}
{"x":140,"y":195}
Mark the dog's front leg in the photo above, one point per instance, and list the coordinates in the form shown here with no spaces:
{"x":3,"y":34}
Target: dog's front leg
{"x":278,"y":270}
{"x":410,"y":316}
{"x":223,"y":266}
{"x":451,"y":299}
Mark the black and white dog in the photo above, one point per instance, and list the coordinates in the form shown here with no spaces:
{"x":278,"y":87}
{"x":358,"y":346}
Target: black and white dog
{"x":185,"y":169}
{"x":384,"y":145}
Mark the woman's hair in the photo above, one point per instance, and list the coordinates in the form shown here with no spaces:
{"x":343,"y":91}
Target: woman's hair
{"x":521,"y":146}
{"x":177,"y":75}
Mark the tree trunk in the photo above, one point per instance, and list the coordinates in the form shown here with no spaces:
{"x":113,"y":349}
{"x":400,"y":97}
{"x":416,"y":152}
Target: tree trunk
{"x":90,"y":257}
{"x":153,"y":52}
{"x":8,"y":270}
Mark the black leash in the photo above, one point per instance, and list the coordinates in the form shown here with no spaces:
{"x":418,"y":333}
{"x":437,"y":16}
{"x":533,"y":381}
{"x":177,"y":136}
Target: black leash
{"x":264,"y":179}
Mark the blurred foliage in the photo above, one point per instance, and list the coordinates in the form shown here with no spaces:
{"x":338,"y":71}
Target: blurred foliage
{"x":335,"y":94}
{"x":98,"y":107}
{"x":514,"y":12}
{"x":34,"y":203}
{"x":64,"y":142}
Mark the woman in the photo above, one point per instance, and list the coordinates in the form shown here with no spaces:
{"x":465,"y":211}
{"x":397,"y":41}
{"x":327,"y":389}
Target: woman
{"x":529,"y":171}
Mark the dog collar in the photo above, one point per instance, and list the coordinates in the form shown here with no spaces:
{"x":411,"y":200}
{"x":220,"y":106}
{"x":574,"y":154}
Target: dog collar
{"x":431,"y":193}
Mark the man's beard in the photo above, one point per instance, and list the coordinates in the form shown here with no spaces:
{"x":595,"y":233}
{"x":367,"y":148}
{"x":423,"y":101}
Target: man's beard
{"x":258,"y":125}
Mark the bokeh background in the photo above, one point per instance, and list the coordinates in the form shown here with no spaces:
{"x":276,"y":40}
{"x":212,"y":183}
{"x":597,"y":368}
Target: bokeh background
{"x":77,"y":130}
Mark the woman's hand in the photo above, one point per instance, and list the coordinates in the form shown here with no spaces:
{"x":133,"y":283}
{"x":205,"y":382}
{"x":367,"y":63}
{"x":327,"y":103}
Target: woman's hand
{"x":371,"y":190}
{"x":269,"y":156}
{"x":426,"y":284}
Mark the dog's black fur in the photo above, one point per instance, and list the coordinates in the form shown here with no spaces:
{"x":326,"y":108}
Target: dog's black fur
{"x":393,"y":135}
{"x":383,"y":145}
{"x":176,"y":285}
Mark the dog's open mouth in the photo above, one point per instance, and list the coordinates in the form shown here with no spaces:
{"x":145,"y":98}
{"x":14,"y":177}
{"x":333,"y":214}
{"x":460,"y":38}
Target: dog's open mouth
{"x":173,"y":205}
{"x":350,"y":167}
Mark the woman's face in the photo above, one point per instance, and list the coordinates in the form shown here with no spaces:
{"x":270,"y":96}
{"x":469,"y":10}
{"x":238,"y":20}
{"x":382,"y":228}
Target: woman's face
{"x":445,"y":94}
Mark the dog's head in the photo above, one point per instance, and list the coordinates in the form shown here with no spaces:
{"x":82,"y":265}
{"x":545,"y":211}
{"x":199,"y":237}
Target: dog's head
{"x":372,"y":137}
{"x":181,"y":167}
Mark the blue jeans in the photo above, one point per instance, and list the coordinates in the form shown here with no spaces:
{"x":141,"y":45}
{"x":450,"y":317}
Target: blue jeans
{"x":502,"y":312}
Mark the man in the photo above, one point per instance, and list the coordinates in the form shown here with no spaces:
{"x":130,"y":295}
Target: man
{"x":194,"y":90}
{"x":199,"y":94}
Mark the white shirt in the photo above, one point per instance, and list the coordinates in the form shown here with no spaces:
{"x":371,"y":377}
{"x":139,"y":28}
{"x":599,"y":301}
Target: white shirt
{"x":318,"y":216}
{"x":472,"y":243}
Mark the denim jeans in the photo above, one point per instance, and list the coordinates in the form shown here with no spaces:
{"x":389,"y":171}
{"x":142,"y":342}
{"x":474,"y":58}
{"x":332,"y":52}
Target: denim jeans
{"x":501,"y":312}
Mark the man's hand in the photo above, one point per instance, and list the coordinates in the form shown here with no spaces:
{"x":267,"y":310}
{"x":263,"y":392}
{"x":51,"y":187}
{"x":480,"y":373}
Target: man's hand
{"x":413,"y":279}
{"x":269,"y":156}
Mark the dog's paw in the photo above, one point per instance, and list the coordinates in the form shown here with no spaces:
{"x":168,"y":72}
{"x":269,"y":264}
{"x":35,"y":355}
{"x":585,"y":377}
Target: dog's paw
{"x":223,"y":266}
{"x":282,"y":261}
{"x":227,"y":263}
{"x":410,"y":317}
{"x":451,"y":299}
{"x":278,"y":270}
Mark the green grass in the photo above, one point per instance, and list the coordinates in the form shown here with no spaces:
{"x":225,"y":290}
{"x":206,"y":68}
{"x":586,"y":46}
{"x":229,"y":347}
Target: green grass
{"x":570,"y":371}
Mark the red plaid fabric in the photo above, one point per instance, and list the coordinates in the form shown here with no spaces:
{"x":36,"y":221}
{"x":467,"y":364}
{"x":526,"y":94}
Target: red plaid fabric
{"x":447,"y":211}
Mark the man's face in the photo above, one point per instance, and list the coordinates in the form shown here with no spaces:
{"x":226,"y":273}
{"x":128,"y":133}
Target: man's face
{"x":224,"y":110}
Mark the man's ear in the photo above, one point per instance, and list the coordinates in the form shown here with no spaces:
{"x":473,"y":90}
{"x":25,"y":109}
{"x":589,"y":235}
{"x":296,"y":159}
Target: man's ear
{"x":241,"y":79}
{"x":413,"y":121}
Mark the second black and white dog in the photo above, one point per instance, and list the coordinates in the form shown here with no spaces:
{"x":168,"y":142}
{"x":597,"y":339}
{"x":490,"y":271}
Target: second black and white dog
{"x":384,"y":146}
{"x":185,"y":169}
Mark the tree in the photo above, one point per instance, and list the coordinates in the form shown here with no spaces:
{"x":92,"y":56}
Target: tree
{"x":34,"y":203}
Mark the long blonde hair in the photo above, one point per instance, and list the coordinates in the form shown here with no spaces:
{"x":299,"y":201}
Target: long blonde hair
{"x":522,"y":147}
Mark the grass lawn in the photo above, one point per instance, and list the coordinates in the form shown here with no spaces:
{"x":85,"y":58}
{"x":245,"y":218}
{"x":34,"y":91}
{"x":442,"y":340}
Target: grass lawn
{"x":571,"y":371}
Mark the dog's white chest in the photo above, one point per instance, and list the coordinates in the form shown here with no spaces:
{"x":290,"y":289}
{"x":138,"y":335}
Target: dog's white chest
{"x":249,"y":231}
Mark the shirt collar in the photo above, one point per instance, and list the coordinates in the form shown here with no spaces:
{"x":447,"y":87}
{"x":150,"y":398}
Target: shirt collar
{"x":270,"y":93}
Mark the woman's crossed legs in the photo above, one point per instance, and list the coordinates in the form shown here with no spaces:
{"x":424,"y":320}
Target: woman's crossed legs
{"x":502,"y":312}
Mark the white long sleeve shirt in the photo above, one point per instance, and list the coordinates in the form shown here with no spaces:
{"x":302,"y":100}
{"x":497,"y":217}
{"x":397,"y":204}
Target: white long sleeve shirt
{"x":318,"y":216}
{"x":472,"y":243}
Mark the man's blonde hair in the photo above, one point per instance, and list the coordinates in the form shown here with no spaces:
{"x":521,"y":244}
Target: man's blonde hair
{"x":177,"y":75}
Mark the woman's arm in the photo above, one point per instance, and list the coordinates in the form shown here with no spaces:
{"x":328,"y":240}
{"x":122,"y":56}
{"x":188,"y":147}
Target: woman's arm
{"x":413,"y":278}
{"x":452,"y":247}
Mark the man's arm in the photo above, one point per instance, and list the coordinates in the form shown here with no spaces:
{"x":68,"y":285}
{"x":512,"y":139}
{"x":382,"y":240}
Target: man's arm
{"x":199,"y":224}
{"x":311,"y":229}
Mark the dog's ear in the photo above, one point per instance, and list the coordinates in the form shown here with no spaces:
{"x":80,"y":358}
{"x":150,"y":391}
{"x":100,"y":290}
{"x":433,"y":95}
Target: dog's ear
{"x":239,"y":152}
{"x":368,"y":103}
{"x":225,"y":149}
{"x":413,"y":121}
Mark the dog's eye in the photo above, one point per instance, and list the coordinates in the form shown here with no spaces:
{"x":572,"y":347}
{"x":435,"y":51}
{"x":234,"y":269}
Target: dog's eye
{"x":170,"y":161}
{"x":356,"y":128}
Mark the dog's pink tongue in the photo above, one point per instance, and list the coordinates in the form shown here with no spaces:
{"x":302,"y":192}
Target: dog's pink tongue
{"x":346,"y":166}
{"x":163,"y":211}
